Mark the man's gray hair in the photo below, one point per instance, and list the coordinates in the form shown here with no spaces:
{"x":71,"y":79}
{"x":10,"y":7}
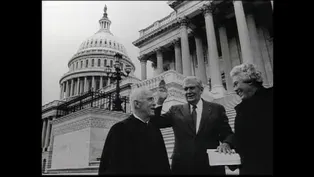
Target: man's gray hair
{"x":136,"y":95}
{"x":198,"y":81}
{"x":247,"y":72}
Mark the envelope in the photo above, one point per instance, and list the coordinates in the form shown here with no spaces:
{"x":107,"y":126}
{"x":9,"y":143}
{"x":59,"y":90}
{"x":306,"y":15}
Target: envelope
{"x":216,"y":158}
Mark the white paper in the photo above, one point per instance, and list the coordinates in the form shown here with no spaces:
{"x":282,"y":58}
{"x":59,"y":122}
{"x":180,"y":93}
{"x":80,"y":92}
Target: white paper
{"x":216,"y":158}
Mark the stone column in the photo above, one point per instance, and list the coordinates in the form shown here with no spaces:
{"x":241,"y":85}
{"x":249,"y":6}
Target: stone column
{"x":71,"y":88}
{"x":243,"y":31}
{"x":143,"y":68}
{"x":258,"y":59}
{"x":93,"y":83}
{"x":178,"y":55}
{"x":159,"y":61}
{"x":101,"y":82}
{"x":200,"y":59}
{"x":216,"y":81}
{"x":47,"y":133}
{"x":225,"y":56}
{"x":67,"y":88}
{"x":85,"y":84}
{"x":43,"y":133}
{"x":186,"y":66}
{"x":63,"y":89}
{"x":266,"y":56}
{"x":78,"y":86}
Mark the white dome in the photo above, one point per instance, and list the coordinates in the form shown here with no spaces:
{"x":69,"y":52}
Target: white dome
{"x":103,"y":39}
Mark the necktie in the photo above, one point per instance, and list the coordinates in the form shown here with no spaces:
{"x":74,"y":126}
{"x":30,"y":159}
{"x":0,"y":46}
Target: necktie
{"x":194,"y":116}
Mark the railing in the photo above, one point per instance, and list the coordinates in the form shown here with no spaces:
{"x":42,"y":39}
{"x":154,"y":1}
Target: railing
{"x":98,"y":99}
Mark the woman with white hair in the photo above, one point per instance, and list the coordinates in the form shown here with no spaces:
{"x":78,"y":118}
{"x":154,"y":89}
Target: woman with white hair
{"x":253,"y":137}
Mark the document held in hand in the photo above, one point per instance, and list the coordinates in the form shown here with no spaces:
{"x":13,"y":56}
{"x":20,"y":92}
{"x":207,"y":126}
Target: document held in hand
{"x":216,"y":158}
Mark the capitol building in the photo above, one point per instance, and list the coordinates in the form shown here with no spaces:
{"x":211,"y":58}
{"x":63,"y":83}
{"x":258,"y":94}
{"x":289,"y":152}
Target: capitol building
{"x":200,"y":38}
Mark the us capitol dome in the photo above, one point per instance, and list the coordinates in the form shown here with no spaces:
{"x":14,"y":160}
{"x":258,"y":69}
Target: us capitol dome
{"x":87,"y":66}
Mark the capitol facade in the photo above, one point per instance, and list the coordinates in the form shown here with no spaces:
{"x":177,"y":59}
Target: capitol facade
{"x":199,"y":38}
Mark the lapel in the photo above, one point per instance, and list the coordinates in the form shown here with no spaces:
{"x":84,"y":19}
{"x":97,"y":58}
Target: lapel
{"x":206,"y":115}
{"x":185,"y":109}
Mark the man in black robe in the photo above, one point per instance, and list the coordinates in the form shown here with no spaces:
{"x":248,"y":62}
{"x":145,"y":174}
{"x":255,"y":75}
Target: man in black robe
{"x":134,"y":145}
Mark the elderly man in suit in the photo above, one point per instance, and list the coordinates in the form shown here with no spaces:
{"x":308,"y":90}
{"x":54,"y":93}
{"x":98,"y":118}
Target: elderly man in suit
{"x":134,"y":145}
{"x":253,"y":136}
{"x":198,"y":125}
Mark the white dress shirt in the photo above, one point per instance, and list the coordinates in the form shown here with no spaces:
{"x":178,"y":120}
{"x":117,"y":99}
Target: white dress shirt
{"x":199,"y":111}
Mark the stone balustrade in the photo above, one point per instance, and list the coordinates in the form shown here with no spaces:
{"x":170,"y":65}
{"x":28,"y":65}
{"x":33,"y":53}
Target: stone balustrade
{"x":172,"y":16}
{"x":170,"y":76}
{"x":51,"y":104}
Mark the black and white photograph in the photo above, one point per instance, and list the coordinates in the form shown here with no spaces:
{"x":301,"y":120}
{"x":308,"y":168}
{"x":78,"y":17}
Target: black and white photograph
{"x":157,"y":87}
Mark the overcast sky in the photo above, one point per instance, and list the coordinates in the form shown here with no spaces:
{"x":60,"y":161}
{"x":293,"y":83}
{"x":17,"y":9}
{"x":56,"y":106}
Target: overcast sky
{"x":66,"y":24}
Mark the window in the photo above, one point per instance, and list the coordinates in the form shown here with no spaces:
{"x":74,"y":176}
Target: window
{"x":105,"y":64}
{"x":92,"y":62}
{"x":98,"y":62}
{"x":109,"y":42}
{"x":105,"y":42}
{"x":95,"y":42}
{"x":121,"y":66}
{"x":111,"y":63}
{"x":91,"y":42}
{"x":86,"y":63}
{"x":81,"y":64}
{"x":76,"y":65}
{"x":100,"y":42}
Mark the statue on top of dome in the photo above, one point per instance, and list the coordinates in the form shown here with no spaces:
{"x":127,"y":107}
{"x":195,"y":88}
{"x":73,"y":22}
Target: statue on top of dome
{"x":105,"y":9}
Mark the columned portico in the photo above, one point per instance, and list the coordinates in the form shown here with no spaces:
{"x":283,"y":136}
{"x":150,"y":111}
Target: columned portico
{"x":159,"y":61}
{"x":178,"y":56}
{"x":200,"y":58}
{"x":243,"y":31}
{"x":226,"y":57}
{"x":216,"y":81}
{"x":187,"y":71}
{"x":143,"y":68}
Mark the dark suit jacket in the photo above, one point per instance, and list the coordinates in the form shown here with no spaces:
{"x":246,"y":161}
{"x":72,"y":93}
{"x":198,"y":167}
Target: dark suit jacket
{"x":133,"y":147}
{"x":189,"y":155}
{"x":253,"y":138}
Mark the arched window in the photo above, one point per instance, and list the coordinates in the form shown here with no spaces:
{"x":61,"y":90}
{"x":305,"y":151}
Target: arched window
{"x":86,"y":63}
{"x":111,"y":63}
{"x":98,"y":62}
{"x":76,"y":65}
{"x":92,"y":62}
{"x":100,"y":42}
{"x":81,"y":64}
{"x":105,"y":63}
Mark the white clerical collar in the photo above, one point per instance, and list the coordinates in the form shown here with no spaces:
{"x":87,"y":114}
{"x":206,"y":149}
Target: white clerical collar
{"x":139,"y":118}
